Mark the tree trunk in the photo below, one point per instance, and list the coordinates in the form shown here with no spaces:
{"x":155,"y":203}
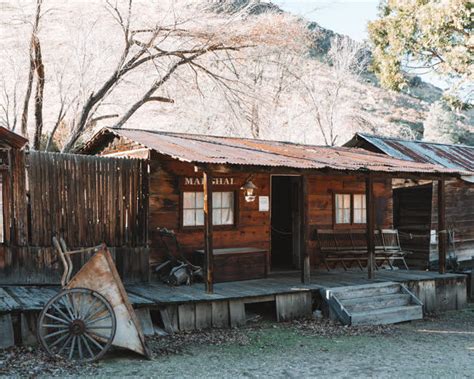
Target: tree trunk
{"x":29,"y":85}
{"x":38,"y":95}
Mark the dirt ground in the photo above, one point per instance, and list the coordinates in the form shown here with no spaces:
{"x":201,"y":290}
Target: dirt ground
{"x":437,"y":347}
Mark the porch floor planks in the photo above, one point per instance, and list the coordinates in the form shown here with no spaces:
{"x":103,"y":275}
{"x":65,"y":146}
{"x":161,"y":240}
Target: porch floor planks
{"x":7,"y":303}
{"x":31,"y":298}
{"x":18,"y":298}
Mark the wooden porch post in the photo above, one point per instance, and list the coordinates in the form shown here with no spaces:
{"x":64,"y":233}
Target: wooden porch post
{"x":207,"y":184}
{"x":370,"y":224}
{"x":304,"y":253}
{"x":442,"y":232}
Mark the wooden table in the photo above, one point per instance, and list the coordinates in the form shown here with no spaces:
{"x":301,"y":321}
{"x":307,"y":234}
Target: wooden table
{"x":239,"y":263}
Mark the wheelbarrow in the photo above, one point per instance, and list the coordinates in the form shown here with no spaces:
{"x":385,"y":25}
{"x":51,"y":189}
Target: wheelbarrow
{"x":91,"y":312}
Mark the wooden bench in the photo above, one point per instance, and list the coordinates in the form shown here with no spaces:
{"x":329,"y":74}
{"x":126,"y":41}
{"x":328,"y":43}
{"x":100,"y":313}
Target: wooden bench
{"x":234,"y":264}
{"x":350,"y":246}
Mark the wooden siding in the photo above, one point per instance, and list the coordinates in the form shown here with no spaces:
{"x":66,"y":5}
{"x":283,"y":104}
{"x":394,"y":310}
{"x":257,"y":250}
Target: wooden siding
{"x":253,"y":228}
{"x":459,"y":218}
{"x":321,"y":190}
{"x":412,"y":216}
{"x":87,"y":200}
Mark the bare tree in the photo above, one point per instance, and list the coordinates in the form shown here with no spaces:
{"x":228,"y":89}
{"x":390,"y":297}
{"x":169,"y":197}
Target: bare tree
{"x":9,"y":105}
{"x":167,"y":47}
{"x":329,"y":102}
{"x":39,"y":91}
{"x":32,"y":68}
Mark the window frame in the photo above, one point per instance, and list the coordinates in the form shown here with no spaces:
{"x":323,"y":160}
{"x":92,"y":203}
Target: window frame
{"x":191,"y":228}
{"x":334,"y":211}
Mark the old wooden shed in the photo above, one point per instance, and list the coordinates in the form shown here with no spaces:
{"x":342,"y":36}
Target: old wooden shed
{"x":416,"y":202}
{"x":248,"y":209}
{"x":299,"y":189}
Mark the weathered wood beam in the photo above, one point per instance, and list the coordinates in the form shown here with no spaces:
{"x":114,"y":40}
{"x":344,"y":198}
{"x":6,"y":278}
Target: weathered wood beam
{"x":370,"y":224}
{"x":442,"y":232}
{"x":227,"y":168}
{"x":304,"y":253}
{"x":209,"y":257}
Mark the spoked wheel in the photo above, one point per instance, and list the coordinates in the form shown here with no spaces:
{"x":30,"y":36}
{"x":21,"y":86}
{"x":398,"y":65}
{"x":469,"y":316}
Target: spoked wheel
{"x":77,"y":324}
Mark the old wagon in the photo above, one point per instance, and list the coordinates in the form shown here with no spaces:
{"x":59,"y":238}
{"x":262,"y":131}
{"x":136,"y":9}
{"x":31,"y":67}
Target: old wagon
{"x":92,"y":311}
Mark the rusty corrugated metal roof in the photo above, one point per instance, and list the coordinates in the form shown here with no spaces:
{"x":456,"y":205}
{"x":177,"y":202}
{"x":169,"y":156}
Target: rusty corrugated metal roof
{"x":451,"y":156}
{"x":11,"y":138}
{"x":202,"y":149}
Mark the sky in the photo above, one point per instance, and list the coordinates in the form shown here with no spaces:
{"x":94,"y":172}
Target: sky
{"x":349,"y":17}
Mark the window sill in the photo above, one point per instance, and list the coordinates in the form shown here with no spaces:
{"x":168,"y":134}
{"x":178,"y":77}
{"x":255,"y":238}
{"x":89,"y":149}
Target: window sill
{"x":217,"y":228}
{"x":348,"y":226}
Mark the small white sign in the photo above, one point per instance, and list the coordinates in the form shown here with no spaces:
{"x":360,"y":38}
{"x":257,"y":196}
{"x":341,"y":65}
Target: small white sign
{"x":263,"y":203}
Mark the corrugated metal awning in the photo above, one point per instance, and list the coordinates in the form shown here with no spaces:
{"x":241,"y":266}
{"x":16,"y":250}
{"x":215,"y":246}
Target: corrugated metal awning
{"x":200,"y":149}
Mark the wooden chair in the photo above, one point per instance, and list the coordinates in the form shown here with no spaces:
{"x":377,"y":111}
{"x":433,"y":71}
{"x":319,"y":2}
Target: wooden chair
{"x":176,"y":269}
{"x":391,"y":248}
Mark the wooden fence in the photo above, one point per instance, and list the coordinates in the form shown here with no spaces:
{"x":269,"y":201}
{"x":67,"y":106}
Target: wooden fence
{"x":87,"y":200}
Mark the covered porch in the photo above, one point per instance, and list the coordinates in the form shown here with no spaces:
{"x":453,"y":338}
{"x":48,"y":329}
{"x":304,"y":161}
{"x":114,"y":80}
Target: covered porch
{"x":192,"y":176}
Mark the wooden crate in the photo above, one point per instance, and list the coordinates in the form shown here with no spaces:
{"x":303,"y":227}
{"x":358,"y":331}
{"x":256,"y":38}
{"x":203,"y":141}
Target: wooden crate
{"x":234,"y":264}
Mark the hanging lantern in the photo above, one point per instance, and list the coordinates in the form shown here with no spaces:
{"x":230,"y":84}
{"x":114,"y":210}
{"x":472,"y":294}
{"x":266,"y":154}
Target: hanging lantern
{"x":249,"y":191}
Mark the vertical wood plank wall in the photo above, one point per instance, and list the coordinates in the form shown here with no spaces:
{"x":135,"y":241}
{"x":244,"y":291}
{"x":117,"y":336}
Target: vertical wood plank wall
{"x":253,"y":227}
{"x":87,"y":200}
{"x":459,"y":217}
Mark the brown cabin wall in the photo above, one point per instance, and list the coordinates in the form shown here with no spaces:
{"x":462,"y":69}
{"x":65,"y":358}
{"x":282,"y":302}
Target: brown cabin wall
{"x":321,"y":190}
{"x":459,"y":217}
{"x":253,"y":227}
{"x":166,"y":184}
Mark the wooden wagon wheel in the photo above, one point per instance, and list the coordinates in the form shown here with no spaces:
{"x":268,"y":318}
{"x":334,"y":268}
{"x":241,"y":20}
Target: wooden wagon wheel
{"x":77,"y":324}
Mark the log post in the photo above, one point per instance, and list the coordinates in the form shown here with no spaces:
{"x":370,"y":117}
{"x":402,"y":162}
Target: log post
{"x":207,"y":184}
{"x":442,"y":232}
{"x":304,"y":253}
{"x":370,"y":224}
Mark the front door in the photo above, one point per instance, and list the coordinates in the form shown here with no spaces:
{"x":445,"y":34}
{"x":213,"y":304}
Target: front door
{"x":285,"y":222}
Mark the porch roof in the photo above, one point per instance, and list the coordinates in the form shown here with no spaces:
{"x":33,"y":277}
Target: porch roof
{"x":12,"y":139}
{"x":454,"y":156}
{"x":203,"y":149}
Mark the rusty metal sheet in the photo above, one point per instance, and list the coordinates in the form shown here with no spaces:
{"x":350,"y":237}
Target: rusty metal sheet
{"x":241,"y":151}
{"x":457,"y":157}
{"x":99,"y":274}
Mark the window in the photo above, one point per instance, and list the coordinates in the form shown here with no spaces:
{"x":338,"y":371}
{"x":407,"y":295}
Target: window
{"x":349,"y":209}
{"x":359,"y":209}
{"x":343,"y":209}
{"x":222,"y":208}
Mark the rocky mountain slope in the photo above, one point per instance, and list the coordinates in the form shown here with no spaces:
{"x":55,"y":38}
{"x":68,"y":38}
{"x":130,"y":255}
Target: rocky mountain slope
{"x":82,"y":44}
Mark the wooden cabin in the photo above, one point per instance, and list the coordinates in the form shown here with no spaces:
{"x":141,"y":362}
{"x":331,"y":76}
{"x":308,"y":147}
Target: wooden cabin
{"x":299,"y":189}
{"x":415,"y":208}
{"x":241,"y":208}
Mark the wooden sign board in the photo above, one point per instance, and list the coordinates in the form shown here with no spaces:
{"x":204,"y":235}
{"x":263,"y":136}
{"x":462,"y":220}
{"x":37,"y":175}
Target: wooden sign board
{"x":196,"y":182}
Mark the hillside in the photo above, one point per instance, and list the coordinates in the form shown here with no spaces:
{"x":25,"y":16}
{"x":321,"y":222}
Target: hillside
{"x":275,"y":95}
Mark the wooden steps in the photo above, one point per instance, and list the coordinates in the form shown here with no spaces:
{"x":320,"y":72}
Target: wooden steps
{"x":373,"y":304}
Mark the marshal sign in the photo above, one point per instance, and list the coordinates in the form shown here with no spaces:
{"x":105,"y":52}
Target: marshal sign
{"x":215,"y":181}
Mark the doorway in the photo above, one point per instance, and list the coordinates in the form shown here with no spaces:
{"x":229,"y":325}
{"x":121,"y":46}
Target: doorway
{"x":285,"y":222}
